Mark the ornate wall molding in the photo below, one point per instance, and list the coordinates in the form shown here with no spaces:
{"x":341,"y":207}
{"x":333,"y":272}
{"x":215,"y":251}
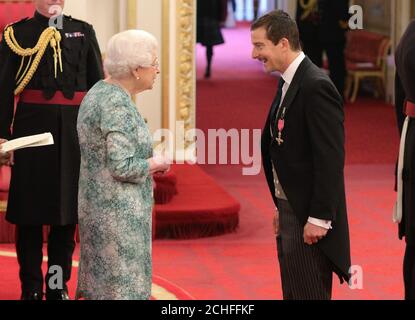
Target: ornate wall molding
{"x":165,"y":62}
{"x":131,"y":14}
{"x":185,"y":48}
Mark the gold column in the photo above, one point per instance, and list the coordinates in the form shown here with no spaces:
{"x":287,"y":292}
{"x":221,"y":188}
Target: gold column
{"x":185,"y":55}
{"x":131,"y":14}
{"x":185,"y":49}
{"x":3,"y":206}
{"x":132,"y":21}
{"x":165,"y":61}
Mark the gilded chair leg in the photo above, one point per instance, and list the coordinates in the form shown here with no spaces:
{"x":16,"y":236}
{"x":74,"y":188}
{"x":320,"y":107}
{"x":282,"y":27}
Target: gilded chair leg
{"x":377,"y":88}
{"x":382,"y":87}
{"x":348,"y":87}
{"x":356,"y":83}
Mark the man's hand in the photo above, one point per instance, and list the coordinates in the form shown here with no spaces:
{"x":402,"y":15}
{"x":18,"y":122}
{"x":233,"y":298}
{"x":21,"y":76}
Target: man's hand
{"x":276,"y":223}
{"x":313,"y":233}
{"x":344,"y":24}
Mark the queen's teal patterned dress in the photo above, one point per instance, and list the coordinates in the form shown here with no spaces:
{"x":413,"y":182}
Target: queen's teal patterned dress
{"x":115,"y":197}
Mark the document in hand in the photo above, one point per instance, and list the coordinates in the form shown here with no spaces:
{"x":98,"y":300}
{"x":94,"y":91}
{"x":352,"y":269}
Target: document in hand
{"x":39,"y":140}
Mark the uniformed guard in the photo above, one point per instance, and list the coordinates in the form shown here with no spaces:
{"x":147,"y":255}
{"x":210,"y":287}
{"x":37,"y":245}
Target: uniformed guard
{"x":308,"y":20}
{"x":50,"y":70}
{"x":404,"y":213}
{"x":323,"y":25}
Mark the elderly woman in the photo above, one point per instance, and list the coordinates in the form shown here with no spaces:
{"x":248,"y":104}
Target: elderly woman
{"x":115,"y":185}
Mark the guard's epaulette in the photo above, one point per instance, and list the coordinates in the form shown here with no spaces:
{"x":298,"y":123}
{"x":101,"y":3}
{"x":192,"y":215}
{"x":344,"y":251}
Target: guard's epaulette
{"x":77,"y":20}
{"x":16,"y":23}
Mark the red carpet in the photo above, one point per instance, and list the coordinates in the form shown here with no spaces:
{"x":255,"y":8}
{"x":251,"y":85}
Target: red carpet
{"x":10,"y":288}
{"x":372,"y":135}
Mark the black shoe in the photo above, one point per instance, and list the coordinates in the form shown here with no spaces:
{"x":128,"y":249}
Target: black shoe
{"x":207,"y":74}
{"x":57,"y":295}
{"x":32,"y":296}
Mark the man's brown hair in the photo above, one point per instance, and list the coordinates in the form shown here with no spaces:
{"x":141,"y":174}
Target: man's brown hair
{"x":278,"y":25}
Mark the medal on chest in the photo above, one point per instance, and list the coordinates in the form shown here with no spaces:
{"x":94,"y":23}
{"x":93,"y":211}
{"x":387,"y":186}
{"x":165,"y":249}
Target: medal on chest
{"x":281,"y":123}
{"x":280,"y":127}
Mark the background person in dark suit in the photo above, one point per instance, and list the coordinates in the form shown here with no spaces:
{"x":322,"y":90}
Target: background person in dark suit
{"x":44,"y":181}
{"x":256,"y":9}
{"x":323,"y":25}
{"x":303,"y":158}
{"x":405,"y":108}
{"x":211,"y":15}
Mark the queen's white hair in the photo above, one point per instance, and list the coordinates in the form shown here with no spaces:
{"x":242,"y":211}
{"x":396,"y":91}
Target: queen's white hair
{"x":128,"y":50}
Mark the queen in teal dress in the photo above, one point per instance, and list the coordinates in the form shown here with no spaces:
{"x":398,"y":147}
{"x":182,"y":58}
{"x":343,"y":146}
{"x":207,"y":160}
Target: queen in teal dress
{"x":115,"y":195}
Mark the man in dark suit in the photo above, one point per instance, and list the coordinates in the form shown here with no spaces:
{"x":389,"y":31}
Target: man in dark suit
{"x":44,"y":184}
{"x":405,"y":110}
{"x":303,"y":158}
{"x":323,"y":25}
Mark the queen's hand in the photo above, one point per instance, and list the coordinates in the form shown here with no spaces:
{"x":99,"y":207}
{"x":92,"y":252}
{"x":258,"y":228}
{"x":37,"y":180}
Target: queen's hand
{"x":159,"y":164}
{"x":5,"y":157}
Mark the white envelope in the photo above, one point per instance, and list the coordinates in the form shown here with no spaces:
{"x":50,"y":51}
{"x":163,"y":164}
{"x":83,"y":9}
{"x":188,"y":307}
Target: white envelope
{"x":38,"y":140}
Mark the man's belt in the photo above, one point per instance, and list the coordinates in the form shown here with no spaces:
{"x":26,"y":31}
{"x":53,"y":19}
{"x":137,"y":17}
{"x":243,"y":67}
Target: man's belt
{"x":409,"y":109}
{"x":36,"y":97}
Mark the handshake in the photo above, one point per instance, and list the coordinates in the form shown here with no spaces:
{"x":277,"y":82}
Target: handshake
{"x":5,"y":157}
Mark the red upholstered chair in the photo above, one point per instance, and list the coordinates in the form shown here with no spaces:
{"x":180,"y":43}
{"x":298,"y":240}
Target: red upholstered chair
{"x":165,"y":187}
{"x":4,"y":184}
{"x":366,"y":54}
{"x":6,"y":229}
{"x":10,"y":11}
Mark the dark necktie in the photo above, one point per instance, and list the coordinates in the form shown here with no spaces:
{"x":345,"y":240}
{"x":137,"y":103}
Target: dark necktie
{"x":275,"y":107}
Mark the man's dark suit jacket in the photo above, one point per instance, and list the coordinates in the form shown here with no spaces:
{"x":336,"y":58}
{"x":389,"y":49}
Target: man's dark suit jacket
{"x":310,"y":162}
